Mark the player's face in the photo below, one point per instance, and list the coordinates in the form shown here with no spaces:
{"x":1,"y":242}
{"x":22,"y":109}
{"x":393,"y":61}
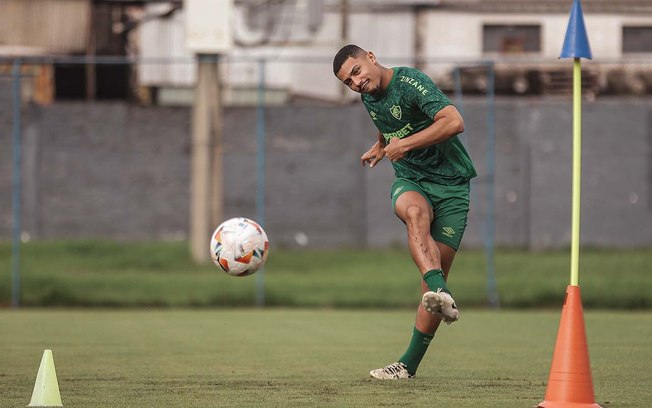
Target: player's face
{"x":361,"y":74}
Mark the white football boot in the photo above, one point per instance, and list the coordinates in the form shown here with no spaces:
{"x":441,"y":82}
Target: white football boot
{"x":442,"y":305}
{"x":394,"y":371}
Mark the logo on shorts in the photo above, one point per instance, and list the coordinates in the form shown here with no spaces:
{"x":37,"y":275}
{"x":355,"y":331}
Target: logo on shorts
{"x":448,"y":231}
{"x":395,"y":110}
{"x":398,"y":190}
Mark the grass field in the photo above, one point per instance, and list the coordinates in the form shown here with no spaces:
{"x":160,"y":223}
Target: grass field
{"x":320,"y":358}
{"x":140,"y":325}
{"x":112,"y":274}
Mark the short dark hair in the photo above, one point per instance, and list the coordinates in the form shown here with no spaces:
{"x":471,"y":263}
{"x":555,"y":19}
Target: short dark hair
{"x":345,"y":53}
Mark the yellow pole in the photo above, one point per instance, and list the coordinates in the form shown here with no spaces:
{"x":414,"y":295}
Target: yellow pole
{"x":577,"y":171}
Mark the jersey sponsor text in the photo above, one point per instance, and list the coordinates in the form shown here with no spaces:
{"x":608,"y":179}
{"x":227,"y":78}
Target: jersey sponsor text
{"x":402,"y":132}
{"x":415,"y":84}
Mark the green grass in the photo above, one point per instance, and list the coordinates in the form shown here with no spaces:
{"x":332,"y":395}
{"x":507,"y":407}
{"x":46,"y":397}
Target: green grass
{"x":111,"y":274}
{"x":299,"y":358}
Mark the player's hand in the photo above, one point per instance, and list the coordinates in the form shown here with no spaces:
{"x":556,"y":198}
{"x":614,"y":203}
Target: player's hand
{"x":394,"y":150}
{"x":373,"y":155}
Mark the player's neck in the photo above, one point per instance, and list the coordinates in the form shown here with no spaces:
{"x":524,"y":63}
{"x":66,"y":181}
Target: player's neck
{"x":386,"y":75}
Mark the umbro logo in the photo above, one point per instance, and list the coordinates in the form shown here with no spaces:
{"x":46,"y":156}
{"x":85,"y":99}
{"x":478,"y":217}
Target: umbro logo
{"x":448,"y":231}
{"x":398,"y":190}
{"x":373,"y":115}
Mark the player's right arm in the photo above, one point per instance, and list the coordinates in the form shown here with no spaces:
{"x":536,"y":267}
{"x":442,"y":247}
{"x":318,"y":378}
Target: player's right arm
{"x":375,"y":152}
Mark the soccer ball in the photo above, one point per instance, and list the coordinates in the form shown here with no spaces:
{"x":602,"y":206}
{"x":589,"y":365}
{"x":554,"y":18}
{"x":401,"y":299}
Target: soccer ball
{"x":239,"y":246}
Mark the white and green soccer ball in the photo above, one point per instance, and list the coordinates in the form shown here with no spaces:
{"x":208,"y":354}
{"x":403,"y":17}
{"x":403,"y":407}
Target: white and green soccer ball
{"x":239,"y":246}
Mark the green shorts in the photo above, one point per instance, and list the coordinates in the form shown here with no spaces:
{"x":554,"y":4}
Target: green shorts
{"x":450,"y":205}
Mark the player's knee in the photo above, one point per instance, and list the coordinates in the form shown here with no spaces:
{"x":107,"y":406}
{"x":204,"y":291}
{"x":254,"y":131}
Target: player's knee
{"x":416,"y":216}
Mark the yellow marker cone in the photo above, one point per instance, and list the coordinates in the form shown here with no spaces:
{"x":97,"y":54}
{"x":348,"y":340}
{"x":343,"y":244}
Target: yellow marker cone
{"x":46,"y":388}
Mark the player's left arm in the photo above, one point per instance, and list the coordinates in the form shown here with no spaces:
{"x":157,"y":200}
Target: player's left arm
{"x":447,"y":123}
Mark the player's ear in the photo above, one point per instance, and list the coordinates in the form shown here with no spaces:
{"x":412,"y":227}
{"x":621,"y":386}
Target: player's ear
{"x":371,"y":57}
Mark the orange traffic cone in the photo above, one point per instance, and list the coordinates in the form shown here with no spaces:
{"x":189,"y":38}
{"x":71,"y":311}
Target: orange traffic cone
{"x":570,"y":384}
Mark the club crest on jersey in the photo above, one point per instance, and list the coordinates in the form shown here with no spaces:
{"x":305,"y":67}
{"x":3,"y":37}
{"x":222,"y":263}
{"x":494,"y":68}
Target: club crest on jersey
{"x":395,"y":110}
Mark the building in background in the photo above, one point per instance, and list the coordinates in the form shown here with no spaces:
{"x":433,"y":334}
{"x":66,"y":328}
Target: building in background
{"x":297,"y":38}
{"x":523,"y":38}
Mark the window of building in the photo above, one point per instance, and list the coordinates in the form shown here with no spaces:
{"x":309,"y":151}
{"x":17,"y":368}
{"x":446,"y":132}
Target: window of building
{"x":637,"y":39}
{"x":511,"y":39}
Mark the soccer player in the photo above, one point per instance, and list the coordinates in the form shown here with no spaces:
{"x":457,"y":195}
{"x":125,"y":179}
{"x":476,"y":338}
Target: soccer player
{"x":418,"y":128}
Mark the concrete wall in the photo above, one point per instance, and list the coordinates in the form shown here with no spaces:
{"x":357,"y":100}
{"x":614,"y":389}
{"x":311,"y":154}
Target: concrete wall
{"x":119,"y":171}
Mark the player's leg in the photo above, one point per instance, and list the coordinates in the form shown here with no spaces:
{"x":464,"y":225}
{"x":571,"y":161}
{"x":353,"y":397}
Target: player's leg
{"x":452,"y":205}
{"x":425,"y":321}
{"x":451,"y":209}
{"x":425,"y":327}
{"x":413,"y":205}
{"x":438,"y":300}
{"x":448,"y":308}
{"x":417,"y":215}
{"x":434,"y":234}
{"x":414,"y":209}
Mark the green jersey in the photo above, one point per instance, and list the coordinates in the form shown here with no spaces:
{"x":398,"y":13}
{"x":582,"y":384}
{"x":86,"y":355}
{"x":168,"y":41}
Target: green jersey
{"x":408,"y":106}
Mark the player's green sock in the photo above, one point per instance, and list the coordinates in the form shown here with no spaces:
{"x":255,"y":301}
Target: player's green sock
{"x":416,"y":350}
{"x":435,"y":280}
